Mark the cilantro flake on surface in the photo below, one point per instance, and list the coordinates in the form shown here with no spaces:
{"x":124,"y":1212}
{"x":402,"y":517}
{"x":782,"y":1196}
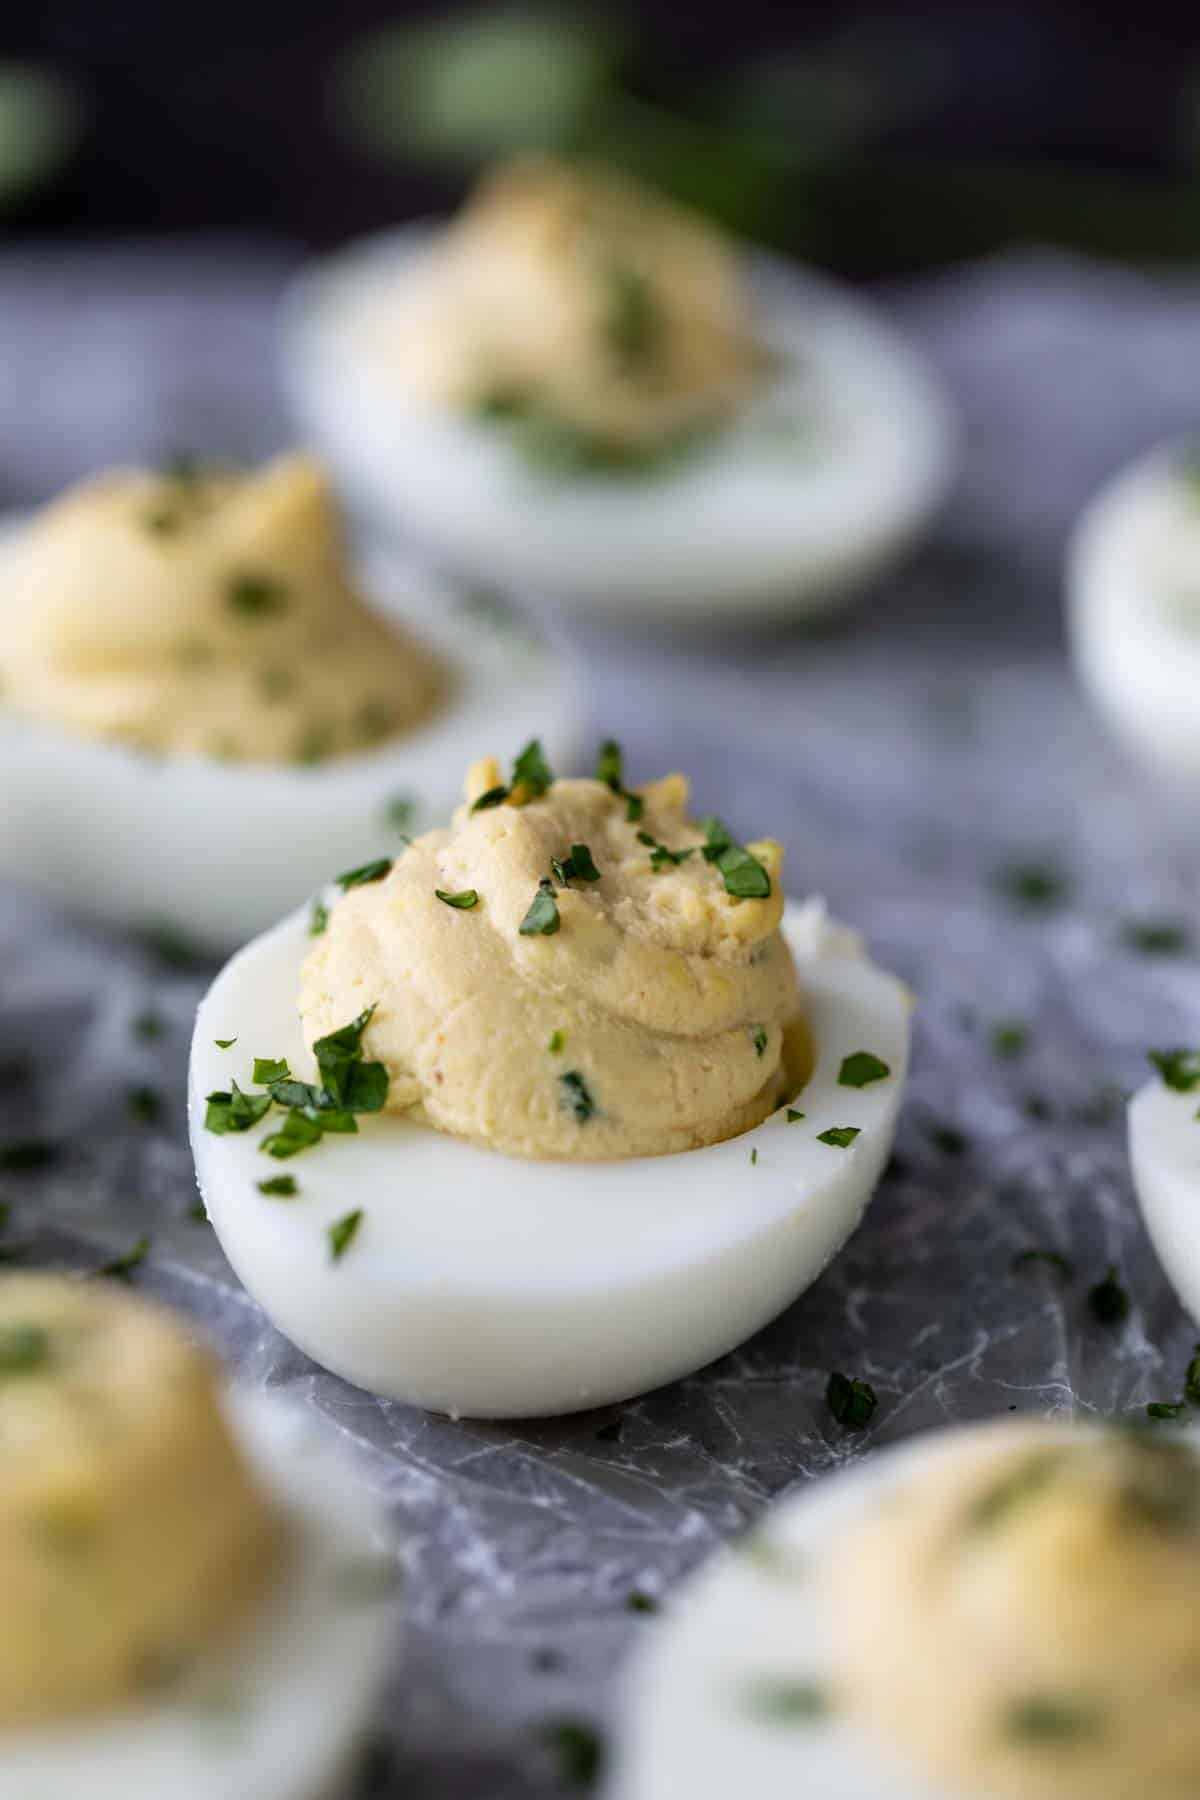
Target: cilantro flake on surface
{"x":342,"y":1233}
{"x":851,"y":1401}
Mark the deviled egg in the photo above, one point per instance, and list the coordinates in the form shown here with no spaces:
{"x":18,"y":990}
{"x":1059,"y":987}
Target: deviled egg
{"x":1005,"y":1612}
{"x":581,"y":1102}
{"x":183,"y":1569}
{"x":1164,"y":1149}
{"x":581,"y":390}
{"x":200,"y":715}
{"x":1134,"y":608}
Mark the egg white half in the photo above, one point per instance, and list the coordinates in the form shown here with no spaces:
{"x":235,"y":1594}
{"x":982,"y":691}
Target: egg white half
{"x":695,"y":1718}
{"x":218,"y":850}
{"x":1133,"y":579}
{"x":489,"y":1286}
{"x":279,"y":1715}
{"x":1164,"y":1149}
{"x":750,"y":524}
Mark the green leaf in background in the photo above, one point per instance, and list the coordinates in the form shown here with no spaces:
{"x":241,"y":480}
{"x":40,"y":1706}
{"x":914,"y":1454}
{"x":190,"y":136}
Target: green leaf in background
{"x":40,"y":125}
{"x":477,"y":84}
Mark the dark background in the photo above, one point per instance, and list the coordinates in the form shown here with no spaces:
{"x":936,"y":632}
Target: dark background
{"x":1061,"y":122}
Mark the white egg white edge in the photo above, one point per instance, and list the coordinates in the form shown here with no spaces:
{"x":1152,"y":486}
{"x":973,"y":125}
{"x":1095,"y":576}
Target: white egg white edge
{"x":747,"y":526}
{"x":1164,"y":1154}
{"x":217,"y":850}
{"x":485,"y":1285}
{"x":691,"y":1712}
{"x":1141,"y":669}
{"x":280,"y":1714}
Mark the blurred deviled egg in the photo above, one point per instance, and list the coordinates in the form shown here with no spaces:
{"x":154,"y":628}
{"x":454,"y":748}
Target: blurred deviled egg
{"x":183,"y":1570}
{"x":1134,"y":608}
{"x":579,"y":1103}
{"x":1005,"y":1612}
{"x":199,"y":712}
{"x":581,"y":390}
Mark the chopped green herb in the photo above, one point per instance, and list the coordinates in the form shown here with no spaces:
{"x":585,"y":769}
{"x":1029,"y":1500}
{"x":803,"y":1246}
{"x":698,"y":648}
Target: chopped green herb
{"x":610,"y":770}
{"x":316,"y":743}
{"x":1157,"y":937}
{"x":758,"y":1037}
{"x":852,"y":1402}
{"x":754,"y":1154}
{"x":254,"y":595}
{"x":198,"y":1213}
{"x":638,"y":1601}
{"x":299,"y":1131}
{"x":743,"y":874}
{"x":578,"y":866}
{"x":1191,"y":1381}
{"x":365,"y":873}
{"x":279,"y":1187}
{"x":610,"y":765}
{"x":26,"y":1153}
{"x":793,"y":1117}
{"x":373,"y":721}
{"x":494,"y":796}
{"x":788,"y":1702}
{"x":840,"y":1136}
{"x":531,"y":772}
{"x":270,"y":1068}
{"x":342,"y":1232}
{"x":145,"y":1103}
{"x":1048,"y":1259}
{"x":542,"y":919}
{"x":1010,"y":1039}
{"x":318,"y":919}
{"x":633,"y":320}
{"x":500,"y":403}
{"x":170,"y":946}
{"x":660,"y":856}
{"x":576,"y":1096}
{"x":1166,"y":1409}
{"x":557,"y":1042}
{"x":121,"y":1268}
{"x":1033,"y":886}
{"x":464,"y":901}
{"x":234,"y":1110}
{"x":1108,"y":1301}
{"x":147,"y":1025}
{"x":861,"y":1068}
{"x":399,"y":813}
{"x":948,"y":1139}
{"x":23,"y":1349}
{"x":349,"y":1081}
{"x":1053,"y":1719}
{"x":162,"y":521}
{"x":578,"y":1751}
{"x":1034,"y":1106}
{"x":1180,"y":1069}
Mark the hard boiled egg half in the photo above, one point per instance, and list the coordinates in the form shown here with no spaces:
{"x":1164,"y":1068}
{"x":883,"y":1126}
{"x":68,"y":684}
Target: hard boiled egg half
{"x":1005,"y":1612}
{"x":200,"y":714}
{"x":1134,"y":608}
{"x":560,"y":1106}
{"x":580,"y":390}
{"x":194,"y":1583}
{"x":1164,"y":1148}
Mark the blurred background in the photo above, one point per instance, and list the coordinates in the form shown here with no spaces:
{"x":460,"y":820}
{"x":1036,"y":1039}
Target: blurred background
{"x":878,"y":139}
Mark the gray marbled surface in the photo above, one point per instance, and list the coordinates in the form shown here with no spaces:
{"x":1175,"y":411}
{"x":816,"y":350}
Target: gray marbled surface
{"x":909,"y":758}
